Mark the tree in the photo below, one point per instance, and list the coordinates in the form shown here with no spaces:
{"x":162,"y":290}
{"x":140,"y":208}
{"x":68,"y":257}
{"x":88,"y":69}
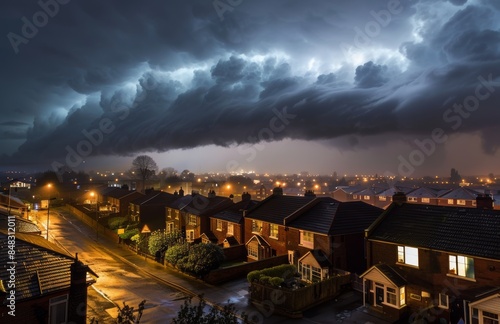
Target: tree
{"x":161,"y":241}
{"x":202,"y":258}
{"x":455,"y":176}
{"x":190,"y":313}
{"x":145,"y":167}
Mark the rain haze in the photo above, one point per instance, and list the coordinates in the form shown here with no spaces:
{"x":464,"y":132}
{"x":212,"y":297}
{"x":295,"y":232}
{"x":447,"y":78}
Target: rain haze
{"x":405,"y":87}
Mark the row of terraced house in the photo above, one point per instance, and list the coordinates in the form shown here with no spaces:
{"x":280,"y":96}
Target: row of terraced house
{"x":415,"y":260}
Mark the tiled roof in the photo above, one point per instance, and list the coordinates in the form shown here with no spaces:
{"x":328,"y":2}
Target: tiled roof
{"x":200,"y":205}
{"x":42,"y":267}
{"x":275,"y":208}
{"x":234,"y":213}
{"x":328,"y":216}
{"x":423,"y":193}
{"x":390,"y":273}
{"x":468,"y":231}
{"x":461,"y":193}
{"x":231,"y":240}
{"x":391,"y":191}
{"x":22,"y":225}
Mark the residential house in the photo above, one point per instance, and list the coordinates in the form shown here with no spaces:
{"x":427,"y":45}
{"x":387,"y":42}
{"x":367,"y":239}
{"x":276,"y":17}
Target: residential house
{"x":424,"y":195}
{"x":434,"y":263}
{"x":228,"y":225}
{"x":191,"y":215}
{"x":149,"y":209}
{"x":384,"y":198}
{"x":327,"y":234}
{"x":265,"y":234}
{"x":459,"y":197}
{"x":118,"y":200}
{"x":50,"y":285}
{"x":22,"y":225}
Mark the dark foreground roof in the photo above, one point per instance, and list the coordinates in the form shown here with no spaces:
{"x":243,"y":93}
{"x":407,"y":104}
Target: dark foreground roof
{"x":469,"y":231}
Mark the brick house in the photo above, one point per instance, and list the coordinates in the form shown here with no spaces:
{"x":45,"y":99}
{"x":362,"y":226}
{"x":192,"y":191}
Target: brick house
{"x":228,"y":225}
{"x":149,"y":209}
{"x":190,"y":214}
{"x":118,"y":200}
{"x":437,"y":263}
{"x":50,"y":285}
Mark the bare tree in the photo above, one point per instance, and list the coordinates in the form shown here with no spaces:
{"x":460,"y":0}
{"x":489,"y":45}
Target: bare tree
{"x":145,"y":167}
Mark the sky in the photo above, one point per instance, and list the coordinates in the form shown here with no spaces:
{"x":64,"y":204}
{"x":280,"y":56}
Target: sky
{"x":406,"y":88}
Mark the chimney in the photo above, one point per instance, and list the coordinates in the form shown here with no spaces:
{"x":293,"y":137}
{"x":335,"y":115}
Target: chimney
{"x":211,"y":194}
{"x":246,"y":196}
{"x":181,"y":192}
{"x":278,"y":191}
{"x":399,"y":197}
{"x":176,"y":194}
{"x":77,"y":308}
{"x":484,"y":201}
{"x":309,"y":193}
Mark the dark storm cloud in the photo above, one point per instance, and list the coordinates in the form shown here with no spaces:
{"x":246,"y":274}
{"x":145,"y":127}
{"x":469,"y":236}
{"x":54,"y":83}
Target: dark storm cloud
{"x":110,"y":74}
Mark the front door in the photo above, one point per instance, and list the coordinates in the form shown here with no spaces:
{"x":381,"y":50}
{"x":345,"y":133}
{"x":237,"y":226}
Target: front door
{"x":379,"y":296}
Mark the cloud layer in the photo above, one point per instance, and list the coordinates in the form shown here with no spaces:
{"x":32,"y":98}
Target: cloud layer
{"x":118,"y":78}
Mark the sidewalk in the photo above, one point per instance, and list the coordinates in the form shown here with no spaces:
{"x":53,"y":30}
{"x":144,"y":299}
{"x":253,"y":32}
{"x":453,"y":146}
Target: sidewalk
{"x":347,"y":308}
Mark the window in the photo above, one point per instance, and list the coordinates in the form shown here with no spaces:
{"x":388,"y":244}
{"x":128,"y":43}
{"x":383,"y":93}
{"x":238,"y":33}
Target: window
{"x":461,"y":202}
{"x":170,"y":227}
{"x":354,"y":196}
{"x":230,"y":229}
{"x":307,"y":239}
{"x":462,"y":266}
{"x":443,"y":301}
{"x":273,"y":230}
{"x":219,"y":225}
{"x":190,"y":236}
{"x":382,"y":198}
{"x":305,"y":270}
{"x":391,"y":296}
{"x":253,"y":251}
{"x":256,"y":226}
{"x":169,"y":213}
{"x":366,"y":197}
{"x":426,"y":200}
{"x":176,"y":214}
{"x":316,"y":274}
{"x":408,"y":255}
{"x":450,"y":201}
{"x":402,"y":296}
{"x":58,"y":309}
{"x":412,"y":199}
{"x":192,"y":220}
{"x":291,"y":256}
{"x":490,"y":318}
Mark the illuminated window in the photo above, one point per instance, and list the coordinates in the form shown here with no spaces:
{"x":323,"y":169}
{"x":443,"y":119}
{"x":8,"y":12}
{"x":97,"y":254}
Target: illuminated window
{"x":307,"y":239}
{"x":219,"y":225}
{"x":426,"y":200}
{"x":256,"y":226}
{"x":273,"y":230}
{"x":382,"y":198}
{"x":169,"y":213}
{"x":402,"y":296}
{"x":412,"y":199}
{"x":230,"y":229}
{"x":253,"y":251}
{"x":192,"y":220}
{"x":190,"y":236}
{"x":366,"y":197}
{"x":462,"y":266}
{"x":461,"y":202}
{"x":450,"y":202}
{"x":354,"y":196}
{"x":408,"y":255}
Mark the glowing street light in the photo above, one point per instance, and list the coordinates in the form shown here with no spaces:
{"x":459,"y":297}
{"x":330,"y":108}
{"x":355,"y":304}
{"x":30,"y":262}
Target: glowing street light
{"x":48,"y":210}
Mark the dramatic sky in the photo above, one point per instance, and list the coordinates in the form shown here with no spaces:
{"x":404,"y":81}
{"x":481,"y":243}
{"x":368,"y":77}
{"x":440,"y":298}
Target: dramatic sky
{"x":407,"y":87}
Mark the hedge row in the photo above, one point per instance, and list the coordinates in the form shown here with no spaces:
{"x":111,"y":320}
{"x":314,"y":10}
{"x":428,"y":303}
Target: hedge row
{"x":274,"y":276}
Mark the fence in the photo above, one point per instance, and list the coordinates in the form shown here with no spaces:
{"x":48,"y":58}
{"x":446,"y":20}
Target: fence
{"x":91,"y":221}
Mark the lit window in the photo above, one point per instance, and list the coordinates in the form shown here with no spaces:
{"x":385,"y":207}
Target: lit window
{"x":402,"y":296}
{"x":273,"y":230}
{"x":443,"y":301}
{"x":307,"y":239}
{"x":230,"y":229}
{"x":462,"y":266}
{"x":253,"y":251}
{"x":354,"y":196}
{"x":382,"y":198}
{"x":176,"y":214}
{"x":58,"y":309}
{"x":192,"y":220}
{"x":219,"y":225}
{"x":412,"y":199}
{"x":426,"y":200}
{"x":461,"y":202}
{"x":366,"y":197}
{"x":256,"y":226}
{"x":169,"y":213}
{"x":450,"y":202}
{"x":408,"y":255}
{"x":190,"y":236}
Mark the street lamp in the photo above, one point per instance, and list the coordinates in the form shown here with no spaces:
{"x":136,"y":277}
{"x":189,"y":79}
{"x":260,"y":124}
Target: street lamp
{"x":48,"y":211}
{"x":92,"y":194}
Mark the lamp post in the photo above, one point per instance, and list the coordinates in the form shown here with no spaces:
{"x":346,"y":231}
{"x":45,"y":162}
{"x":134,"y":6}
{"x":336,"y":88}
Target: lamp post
{"x":92,"y":194}
{"x":48,"y":211}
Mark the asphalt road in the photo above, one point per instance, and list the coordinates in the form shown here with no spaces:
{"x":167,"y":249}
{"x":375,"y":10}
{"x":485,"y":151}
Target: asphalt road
{"x":119,"y":280}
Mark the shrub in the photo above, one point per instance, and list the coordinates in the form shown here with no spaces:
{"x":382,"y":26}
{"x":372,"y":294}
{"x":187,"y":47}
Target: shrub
{"x":116,"y":222}
{"x":264,"y":280}
{"x":129,"y":233}
{"x":253,"y":275}
{"x":203,"y":258}
{"x":276,"y":281}
{"x":283,"y":271}
{"x":176,"y":253}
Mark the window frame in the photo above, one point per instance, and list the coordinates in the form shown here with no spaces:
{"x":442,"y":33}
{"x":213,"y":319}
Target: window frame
{"x":256,"y":226}
{"x":54,"y":302}
{"x":253,"y":251}
{"x":218,"y":224}
{"x":443,"y":301}
{"x":230,"y":228}
{"x":192,"y":220}
{"x":305,"y":241}
{"x":403,"y":255}
{"x":460,"y":265}
{"x":273,"y":230}
{"x":426,"y":200}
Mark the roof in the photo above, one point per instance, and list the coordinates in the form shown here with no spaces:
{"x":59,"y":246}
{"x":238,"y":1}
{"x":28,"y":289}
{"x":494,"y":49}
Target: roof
{"x":275,"y":208}
{"x":259,"y":240}
{"x":320,"y":257}
{"x":423,"y":192}
{"x":200,"y":205}
{"x":41,"y":266}
{"x":231,"y":240}
{"x":328,"y":216}
{"x":119,"y":193}
{"x":391,"y":191}
{"x":461,"y":193}
{"x":468,"y":231}
{"x":234,"y":213}
{"x":22,"y":225}
{"x":389,"y":272}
